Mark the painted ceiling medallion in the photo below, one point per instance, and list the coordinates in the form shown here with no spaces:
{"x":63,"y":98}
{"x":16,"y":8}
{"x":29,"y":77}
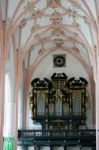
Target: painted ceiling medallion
{"x":58,"y":32}
{"x":59,"y":42}
{"x":56,"y":18}
{"x":53,"y":2}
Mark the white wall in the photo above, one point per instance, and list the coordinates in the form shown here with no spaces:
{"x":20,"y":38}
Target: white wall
{"x":8,"y":103}
{"x":73,"y":69}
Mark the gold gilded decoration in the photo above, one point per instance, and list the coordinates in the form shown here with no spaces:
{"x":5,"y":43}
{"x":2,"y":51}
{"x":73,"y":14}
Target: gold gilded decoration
{"x":41,"y":95}
{"x":58,"y":94}
{"x":31,"y":101}
{"x":59,"y":98}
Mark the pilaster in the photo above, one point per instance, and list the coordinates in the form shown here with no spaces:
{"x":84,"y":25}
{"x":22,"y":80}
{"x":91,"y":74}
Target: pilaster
{"x":97,"y":108}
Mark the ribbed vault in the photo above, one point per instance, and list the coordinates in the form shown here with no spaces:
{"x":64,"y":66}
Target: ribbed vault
{"x":36,"y":28}
{"x":42,"y":25}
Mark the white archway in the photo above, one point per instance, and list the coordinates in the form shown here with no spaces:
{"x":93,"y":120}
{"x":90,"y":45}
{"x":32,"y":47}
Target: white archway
{"x":8,"y":106}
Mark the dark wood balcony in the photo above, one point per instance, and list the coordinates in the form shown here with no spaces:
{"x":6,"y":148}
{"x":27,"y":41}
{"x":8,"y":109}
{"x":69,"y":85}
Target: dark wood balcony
{"x":83,"y":137}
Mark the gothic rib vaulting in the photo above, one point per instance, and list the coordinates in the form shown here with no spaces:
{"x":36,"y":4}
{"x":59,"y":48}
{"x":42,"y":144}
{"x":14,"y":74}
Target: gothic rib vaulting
{"x":49,"y":74}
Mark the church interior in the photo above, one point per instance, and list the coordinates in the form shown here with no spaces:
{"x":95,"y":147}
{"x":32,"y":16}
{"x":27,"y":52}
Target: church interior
{"x":49,"y":75}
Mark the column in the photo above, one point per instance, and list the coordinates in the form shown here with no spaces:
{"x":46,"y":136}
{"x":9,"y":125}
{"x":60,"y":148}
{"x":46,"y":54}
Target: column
{"x":8,"y":107}
{"x":8,"y":119}
{"x":2,"y":81}
{"x":97,"y":114}
{"x":8,"y":140}
{"x":15,"y":107}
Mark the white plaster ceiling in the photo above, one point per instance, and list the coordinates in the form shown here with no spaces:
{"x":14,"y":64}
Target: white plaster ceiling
{"x":56,"y":24}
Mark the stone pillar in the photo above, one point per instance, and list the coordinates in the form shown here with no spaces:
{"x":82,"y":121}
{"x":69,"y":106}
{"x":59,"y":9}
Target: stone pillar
{"x":97,"y":109}
{"x":27,"y":112}
{"x":8,"y":107}
{"x":97,"y":115}
{"x":8,"y":119}
{"x":15,"y":108}
{"x":2,"y":81}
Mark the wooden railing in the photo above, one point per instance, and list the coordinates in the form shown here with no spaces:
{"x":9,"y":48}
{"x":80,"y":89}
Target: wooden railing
{"x":86,"y":137}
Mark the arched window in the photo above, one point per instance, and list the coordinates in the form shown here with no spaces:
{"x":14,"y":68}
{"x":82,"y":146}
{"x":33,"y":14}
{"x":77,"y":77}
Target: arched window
{"x":8,"y":106}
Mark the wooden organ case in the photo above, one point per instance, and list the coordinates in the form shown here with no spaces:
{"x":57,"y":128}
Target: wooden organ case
{"x":59,"y":103}
{"x":60,"y":106}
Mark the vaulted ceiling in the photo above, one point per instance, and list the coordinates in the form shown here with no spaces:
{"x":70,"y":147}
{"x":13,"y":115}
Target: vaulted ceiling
{"x":42,"y":26}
